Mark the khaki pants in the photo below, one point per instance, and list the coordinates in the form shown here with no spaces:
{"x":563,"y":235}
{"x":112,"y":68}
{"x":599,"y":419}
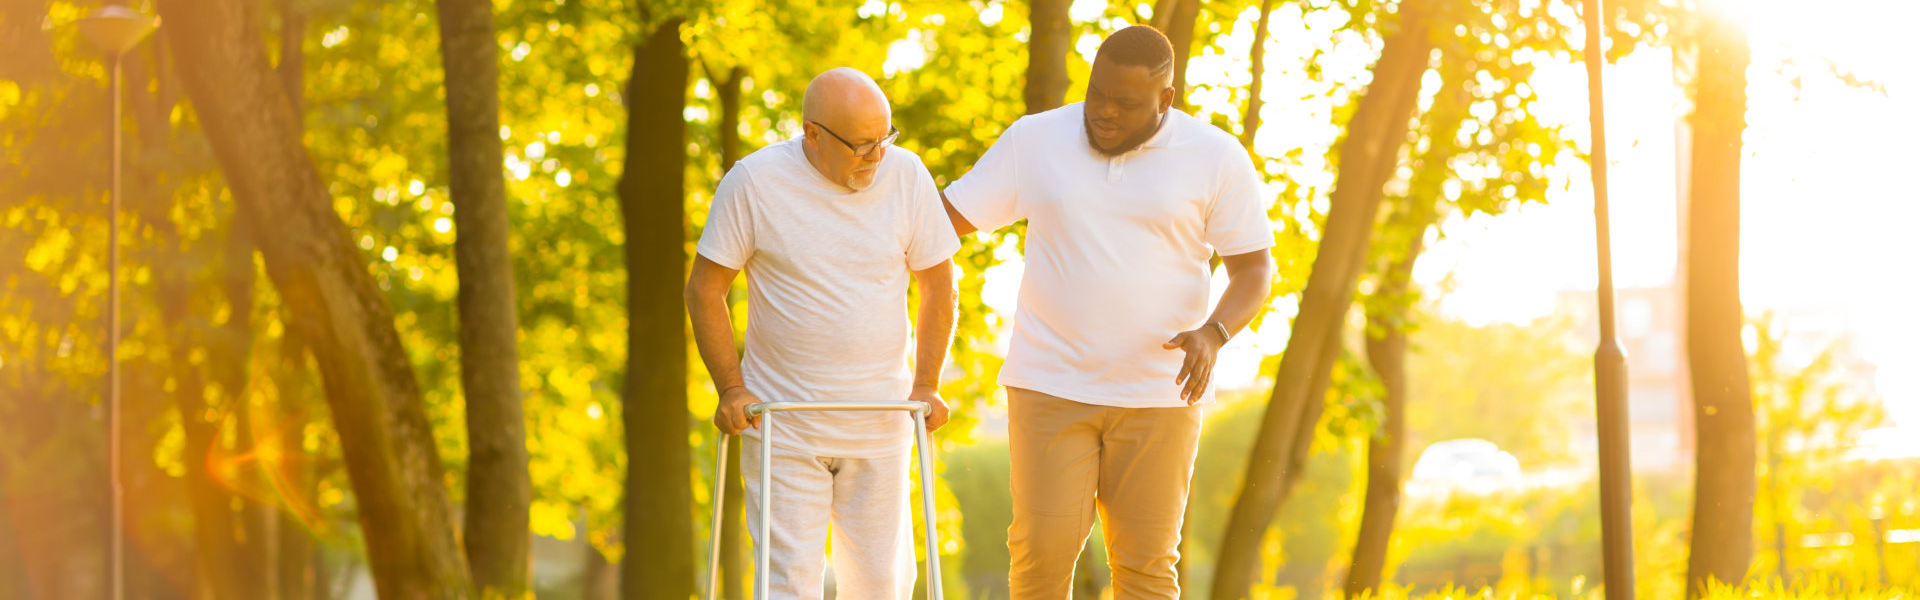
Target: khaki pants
{"x":1132,"y":464}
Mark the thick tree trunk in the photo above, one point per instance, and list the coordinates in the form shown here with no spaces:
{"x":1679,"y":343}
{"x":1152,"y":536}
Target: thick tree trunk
{"x":659,"y":502}
{"x":1049,"y":37}
{"x":1380,"y":127}
{"x":499,"y":486}
{"x":323,"y":278}
{"x":1722,"y":538}
{"x":1258,"y":56}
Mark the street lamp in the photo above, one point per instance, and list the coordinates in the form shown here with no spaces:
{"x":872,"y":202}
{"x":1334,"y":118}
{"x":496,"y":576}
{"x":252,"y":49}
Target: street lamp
{"x":1609,"y":360}
{"x":114,"y":30}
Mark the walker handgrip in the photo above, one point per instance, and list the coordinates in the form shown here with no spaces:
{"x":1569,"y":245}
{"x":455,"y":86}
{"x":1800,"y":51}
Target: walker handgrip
{"x":766,"y":407}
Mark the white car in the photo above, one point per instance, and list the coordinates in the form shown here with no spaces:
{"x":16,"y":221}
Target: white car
{"x":1467,"y":464}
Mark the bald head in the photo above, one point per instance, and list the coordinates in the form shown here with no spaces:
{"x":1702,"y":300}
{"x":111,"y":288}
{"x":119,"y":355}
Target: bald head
{"x":845,"y":110}
{"x":844,"y":96}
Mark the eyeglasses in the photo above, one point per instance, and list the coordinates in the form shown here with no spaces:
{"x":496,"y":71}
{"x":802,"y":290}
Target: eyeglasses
{"x":864,"y":149}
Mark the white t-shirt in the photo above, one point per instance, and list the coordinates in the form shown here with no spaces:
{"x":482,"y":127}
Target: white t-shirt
{"x":827,"y":272}
{"x":1116,"y":249}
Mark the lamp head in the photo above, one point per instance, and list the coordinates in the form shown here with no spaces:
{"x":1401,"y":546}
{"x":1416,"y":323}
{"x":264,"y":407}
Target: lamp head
{"x":115,"y":29}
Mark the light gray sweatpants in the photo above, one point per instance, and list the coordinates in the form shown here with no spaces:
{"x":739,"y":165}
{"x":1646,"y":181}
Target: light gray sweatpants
{"x":865,"y":499}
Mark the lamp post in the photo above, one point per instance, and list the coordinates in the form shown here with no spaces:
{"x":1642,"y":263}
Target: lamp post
{"x":1609,"y":360}
{"x":114,"y":30}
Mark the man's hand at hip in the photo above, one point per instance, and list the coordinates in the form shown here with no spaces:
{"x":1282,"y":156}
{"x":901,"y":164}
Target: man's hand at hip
{"x":1203,"y":347}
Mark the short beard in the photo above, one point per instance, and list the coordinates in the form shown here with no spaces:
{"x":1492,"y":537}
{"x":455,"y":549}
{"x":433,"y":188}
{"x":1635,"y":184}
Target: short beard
{"x":1131,"y":143}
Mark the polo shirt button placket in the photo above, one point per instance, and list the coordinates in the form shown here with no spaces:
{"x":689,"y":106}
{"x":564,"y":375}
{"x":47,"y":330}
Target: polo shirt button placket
{"x":1116,"y":167}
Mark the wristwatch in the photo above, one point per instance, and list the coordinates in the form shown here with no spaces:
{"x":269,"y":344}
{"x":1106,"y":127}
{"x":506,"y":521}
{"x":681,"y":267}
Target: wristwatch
{"x":1224,"y":335}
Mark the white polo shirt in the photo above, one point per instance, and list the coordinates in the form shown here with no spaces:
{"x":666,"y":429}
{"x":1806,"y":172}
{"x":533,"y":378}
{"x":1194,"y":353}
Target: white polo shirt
{"x":1116,"y":250}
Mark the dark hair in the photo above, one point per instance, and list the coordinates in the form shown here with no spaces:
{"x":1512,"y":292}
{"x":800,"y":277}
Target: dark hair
{"x":1139,"y":46}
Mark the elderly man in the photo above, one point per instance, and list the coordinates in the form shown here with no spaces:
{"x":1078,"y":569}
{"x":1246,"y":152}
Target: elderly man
{"x":1113,"y":345}
{"x":829,"y":228}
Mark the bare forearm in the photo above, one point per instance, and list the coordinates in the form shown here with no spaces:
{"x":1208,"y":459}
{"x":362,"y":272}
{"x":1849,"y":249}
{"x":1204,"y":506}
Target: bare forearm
{"x":1250,"y":282}
{"x":933,"y":330}
{"x":713,"y":334}
{"x":1240,"y":304}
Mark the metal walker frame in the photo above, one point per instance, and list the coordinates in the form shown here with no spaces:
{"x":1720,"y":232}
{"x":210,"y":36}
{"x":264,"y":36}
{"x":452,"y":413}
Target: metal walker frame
{"x":766,"y":411}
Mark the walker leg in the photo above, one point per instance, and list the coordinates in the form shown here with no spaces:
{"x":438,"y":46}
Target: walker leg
{"x":926,"y":503}
{"x":719,"y":503}
{"x":761,"y":570}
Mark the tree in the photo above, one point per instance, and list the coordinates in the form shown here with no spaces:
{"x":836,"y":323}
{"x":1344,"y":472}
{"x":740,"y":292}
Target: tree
{"x":658,"y":530}
{"x":1047,"y":44}
{"x":1176,"y":19}
{"x":499,"y":486}
{"x":1390,"y":307}
{"x":1367,"y":156}
{"x":295,"y":550}
{"x":1257,"y":55}
{"x":732,"y":565}
{"x":370,"y":385}
{"x":1721,"y":545}
{"x":1386,"y":345}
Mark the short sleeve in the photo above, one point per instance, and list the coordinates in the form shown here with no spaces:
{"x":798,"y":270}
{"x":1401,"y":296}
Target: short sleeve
{"x":727,"y":238}
{"x":989,"y":194}
{"x":1237,"y":217}
{"x":931,"y":239}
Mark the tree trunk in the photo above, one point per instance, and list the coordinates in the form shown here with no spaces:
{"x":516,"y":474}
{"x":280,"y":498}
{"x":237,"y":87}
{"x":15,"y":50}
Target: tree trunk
{"x":659,"y":501}
{"x":1378,"y":130}
{"x":218,"y":554}
{"x":1258,"y":56}
{"x":233,"y":371}
{"x":733,"y":565}
{"x":728,"y":89}
{"x":1722,"y":538}
{"x":499,"y":486}
{"x":323,"y":278}
{"x":1179,"y":30}
{"x":293,"y":54}
{"x":1050,"y":36}
{"x":733,"y":568}
{"x":1387,"y":353}
{"x":1387,"y":323}
{"x":294,"y":549}
{"x":601,"y":581}
{"x":295,"y":552}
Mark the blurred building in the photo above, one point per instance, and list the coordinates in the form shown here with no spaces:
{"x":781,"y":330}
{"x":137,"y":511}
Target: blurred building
{"x":1652,"y":328}
{"x":1652,"y":325}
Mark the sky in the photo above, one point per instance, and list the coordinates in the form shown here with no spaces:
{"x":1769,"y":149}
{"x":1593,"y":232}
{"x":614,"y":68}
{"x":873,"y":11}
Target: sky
{"x":1828,"y":217}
